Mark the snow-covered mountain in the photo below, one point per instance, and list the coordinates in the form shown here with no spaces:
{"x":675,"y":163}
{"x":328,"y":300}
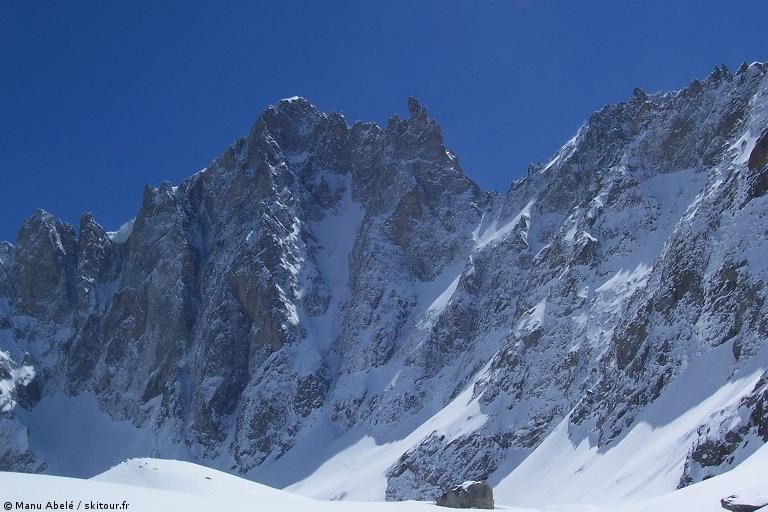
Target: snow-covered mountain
{"x":339,"y":310}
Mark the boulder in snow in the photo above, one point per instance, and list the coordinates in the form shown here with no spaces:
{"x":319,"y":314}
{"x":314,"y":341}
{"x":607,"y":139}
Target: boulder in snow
{"x":738,"y":503}
{"x":468,"y":495}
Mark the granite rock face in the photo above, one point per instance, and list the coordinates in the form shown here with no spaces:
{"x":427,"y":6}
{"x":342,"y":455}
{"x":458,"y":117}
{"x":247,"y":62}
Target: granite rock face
{"x":320,"y":283}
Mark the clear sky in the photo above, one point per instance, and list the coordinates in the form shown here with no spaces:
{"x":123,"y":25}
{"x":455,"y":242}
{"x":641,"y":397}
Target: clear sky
{"x":99,"y":97}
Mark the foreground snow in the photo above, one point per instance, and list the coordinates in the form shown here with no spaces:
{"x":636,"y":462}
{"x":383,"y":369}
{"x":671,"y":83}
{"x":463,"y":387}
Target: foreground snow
{"x":155,"y":484}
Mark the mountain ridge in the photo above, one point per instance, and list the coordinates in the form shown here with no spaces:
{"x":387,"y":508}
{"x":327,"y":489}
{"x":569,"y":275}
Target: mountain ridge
{"x":320,"y":284}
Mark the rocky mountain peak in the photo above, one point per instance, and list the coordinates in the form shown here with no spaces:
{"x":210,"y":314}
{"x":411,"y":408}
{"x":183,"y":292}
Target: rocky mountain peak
{"x":319,"y":284}
{"x":720,"y":73}
{"x":290,"y":110}
{"x":416,"y":111}
{"x":418,"y":136}
{"x":46,"y":250}
{"x":639,"y":95}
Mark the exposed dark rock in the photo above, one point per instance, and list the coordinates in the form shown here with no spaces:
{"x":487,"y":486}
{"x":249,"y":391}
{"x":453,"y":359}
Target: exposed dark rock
{"x":468,"y":495}
{"x":758,"y":157}
{"x":734,"y":503}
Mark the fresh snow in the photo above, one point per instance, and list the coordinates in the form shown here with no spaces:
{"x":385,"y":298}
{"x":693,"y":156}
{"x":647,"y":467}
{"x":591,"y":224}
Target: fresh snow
{"x":335,"y":234}
{"x":121,"y":235}
{"x":533,"y":318}
{"x":434,"y":296}
{"x":647,"y":461}
{"x":358,"y":471}
{"x":7,"y":386}
{"x":442,"y":300}
{"x":743,"y":147}
{"x":493,"y":233}
{"x":160,"y":485}
{"x":154,"y":484}
{"x":566,"y":151}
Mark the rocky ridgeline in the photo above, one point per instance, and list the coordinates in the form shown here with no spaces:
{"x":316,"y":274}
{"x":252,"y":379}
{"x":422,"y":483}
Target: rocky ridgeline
{"x":320,"y":275}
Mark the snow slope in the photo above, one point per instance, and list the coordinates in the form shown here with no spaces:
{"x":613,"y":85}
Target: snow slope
{"x":359,"y":471}
{"x":647,"y":462}
{"x":644,"y":464}
{"x":155,"y":484}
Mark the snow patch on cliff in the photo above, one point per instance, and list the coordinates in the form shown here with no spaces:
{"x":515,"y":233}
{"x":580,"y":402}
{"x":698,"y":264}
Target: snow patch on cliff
{"x":121,"y":235}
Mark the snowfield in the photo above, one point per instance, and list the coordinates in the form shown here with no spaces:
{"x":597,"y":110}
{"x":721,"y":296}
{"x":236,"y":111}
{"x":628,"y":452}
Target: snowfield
{"x":156,"y":484}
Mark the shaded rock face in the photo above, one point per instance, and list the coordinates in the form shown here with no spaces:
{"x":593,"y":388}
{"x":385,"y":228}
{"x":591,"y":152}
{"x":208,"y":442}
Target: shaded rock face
{"x":223,"y":316}
{"x":320,"y":282}
{"x":758,"y":167}
{"x":468,"y":495}
{"x":758,"y":157}
{"x":45,"y":257}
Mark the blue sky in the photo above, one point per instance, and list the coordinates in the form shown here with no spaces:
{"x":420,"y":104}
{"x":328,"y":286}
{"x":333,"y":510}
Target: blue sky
{"x":98,"y":98}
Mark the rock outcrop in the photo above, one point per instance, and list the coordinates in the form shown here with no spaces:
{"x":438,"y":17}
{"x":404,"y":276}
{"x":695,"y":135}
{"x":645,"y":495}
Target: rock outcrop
{"x":468,"y":495}
{"x":736,"y":503}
